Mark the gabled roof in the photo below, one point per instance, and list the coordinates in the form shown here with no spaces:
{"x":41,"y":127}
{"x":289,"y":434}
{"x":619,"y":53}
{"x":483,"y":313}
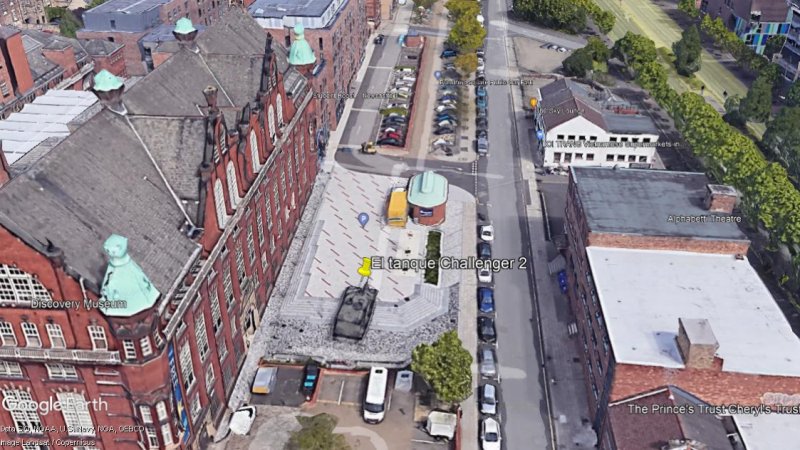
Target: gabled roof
{"x":100,"y":180}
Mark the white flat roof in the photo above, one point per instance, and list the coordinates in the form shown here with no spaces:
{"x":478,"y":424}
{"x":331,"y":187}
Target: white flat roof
{"x":769,"y":431}
{"x":644,"y":292}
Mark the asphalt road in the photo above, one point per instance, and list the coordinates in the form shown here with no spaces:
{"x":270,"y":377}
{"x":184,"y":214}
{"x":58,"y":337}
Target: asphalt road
{"x":523,"y":409}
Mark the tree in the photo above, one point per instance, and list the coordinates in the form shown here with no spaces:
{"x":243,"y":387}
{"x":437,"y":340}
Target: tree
{"x":774,"y":45}
{"x":461,"y":8}
{"x":69,"y":24}
{"x":425,"y":4}
{"x":732,"y":114}
{"x":634,"y":50}
{"x":653,"y":77}
{"x":578,"y":63}
{"x":446,"y":366}
{"x":598,"y":49}
{"x":467,"y":34}
{"x":466,"y":62}
{"x":566,"y":15}
{"x":757,"y":105}
{"x":783,"y":139}
{"x":688,"y":7}
{"x":687,"y":51}
{"x":317,"y":434}
{"x":604,"y":20}
{"x":793,"y":96}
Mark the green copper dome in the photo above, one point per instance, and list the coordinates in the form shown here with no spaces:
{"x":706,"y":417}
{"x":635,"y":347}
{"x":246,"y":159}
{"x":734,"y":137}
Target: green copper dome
{"x":300,"y":52}
{"x":126,"y":289}
{"x":105,"y":81}
{"x":184,"y":26}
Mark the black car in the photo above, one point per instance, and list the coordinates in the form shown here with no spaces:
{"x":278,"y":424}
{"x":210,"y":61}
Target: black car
{"x":310,"y":379}
{"x":481,"y":123}
{"x":484,"y":250}
{"x":482,"y":134}
{"x":379,"y":39}
{"x":443,"y":130}
{"x":482,"y":113}
{"x":486,"y":330}
{"x":394,"y":121}
{"x":390,"y":141}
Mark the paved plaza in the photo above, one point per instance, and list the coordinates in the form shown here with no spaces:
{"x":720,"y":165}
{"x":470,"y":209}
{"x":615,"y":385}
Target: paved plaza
{"x":408,"y":311}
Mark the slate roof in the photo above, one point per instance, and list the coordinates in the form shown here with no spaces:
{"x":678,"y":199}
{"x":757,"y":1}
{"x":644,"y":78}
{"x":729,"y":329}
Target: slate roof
{"x":281,"y":8}
{"x":564,"y":100}
{"x":100,"y":47}
{"x":771,"y":10}
{"x":100,"y":180}
{"x":639,"y":431}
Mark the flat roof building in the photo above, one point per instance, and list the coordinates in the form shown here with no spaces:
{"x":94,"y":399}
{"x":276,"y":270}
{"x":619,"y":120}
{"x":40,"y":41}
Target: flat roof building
{"x":665,"y":296}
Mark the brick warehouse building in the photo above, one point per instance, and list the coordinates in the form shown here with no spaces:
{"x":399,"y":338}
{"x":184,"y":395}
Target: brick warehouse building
{"x":337,"y":31}
{"x":661,"y":301}
{"x":192,"y":184}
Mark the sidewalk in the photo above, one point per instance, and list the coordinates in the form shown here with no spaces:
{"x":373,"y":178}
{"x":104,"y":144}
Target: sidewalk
{"x":467,"y":319}
{"x":564,"y":386}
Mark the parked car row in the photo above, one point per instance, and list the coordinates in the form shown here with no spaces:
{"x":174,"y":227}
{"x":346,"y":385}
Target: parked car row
{"x":396,"y":108}
{"x":482,"y":112}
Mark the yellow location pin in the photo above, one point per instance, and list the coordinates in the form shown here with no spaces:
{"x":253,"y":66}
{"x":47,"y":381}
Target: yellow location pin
{"x":366,"y":268}
{"x":534,"y":101}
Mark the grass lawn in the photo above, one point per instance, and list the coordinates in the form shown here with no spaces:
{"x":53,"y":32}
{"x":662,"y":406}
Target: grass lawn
{"x":433,"y":251}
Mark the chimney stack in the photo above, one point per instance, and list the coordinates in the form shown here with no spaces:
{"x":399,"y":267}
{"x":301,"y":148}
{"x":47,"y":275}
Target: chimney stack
{"x":210,"y":92}
{"x":108,"y":88}
{"x":5,"y":175}
{"x":696,"y":343}
{"x":720,"y":198}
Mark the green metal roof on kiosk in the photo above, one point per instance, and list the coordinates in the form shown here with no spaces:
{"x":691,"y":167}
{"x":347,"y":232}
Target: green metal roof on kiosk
{"x":427,"y":190}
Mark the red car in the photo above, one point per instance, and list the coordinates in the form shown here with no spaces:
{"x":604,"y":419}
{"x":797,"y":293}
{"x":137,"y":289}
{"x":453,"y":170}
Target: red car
{"x":392,"y":135}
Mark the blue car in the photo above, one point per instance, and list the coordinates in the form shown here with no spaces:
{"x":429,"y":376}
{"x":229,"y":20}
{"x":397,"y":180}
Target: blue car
{"x":442,"y":117}
{"x":480,"y":91}
{"x":481,"y":101}
{"x":486,"y":299}
{"x":449,"y":54}
{"x":448,"y":97}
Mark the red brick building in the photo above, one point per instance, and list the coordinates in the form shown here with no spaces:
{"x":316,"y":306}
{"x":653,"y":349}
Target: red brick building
{"x":135,"y":267}
{"x":664,"y":296}
{"x":34,"y":62}
{"x":337,"y":31}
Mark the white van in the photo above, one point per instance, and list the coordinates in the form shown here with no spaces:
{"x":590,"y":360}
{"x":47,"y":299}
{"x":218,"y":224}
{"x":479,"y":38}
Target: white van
{"x":375,"y":401}
{"x":409,"y":79}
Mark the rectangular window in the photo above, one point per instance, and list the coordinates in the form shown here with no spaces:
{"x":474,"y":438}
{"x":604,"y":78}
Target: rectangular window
{"x":578,"y":156}
{"x":567,"y":157}
{"x":623,"y":139}
{"x":7,"y":336}
{"x":251,"y":248}
{"x":260,"y":228}
{"x":210,"y":377}
{"x":98,"y":336}
{"x":56,"y":336}
{"x":187,"y":369}
{"x":216,"y":314}
{"x":201,"y":334}
{"x":147,"y":348}
{"x":31,"y":333}
{"x":222,"y":349}
{"x":227,"y":285}
{"x":645,"y":140}
{"x":612,"y":139}
{"x":609,"y":157}
{"x":590,"y":156}
{"x":166,"y":434}
{"x":10,"y":369}
{"x":631,"y":158}
{"x":560,"y":137}
{"x":620,"y":157}
{"x":571,"y":137}
{"x":283,"y":183}
{"x":76,"y":414}
{"x":196,"y":409}
{"x":321,"y":46}
{"x":147,"y":415}
{"x":161,"y":411}
{"x":152,"y":438}
{"x":26,"y":420}
{"x":634,"y":139}
{"x":130,"y":349}
{"x":276,"y":197}
{"x":581,"y":138}
{"x":240,"y":273}
{"x":592,"y":138}
{"x":159,"y":340}
{"x":264,"y":262}
{"x":61,"y":372}
{"x":643,"y":159}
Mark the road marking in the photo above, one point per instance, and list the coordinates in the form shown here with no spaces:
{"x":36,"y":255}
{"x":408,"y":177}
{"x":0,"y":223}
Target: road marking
{"x":513,"y":373}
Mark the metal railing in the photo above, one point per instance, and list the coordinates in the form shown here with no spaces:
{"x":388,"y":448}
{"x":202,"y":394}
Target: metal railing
{"x":54,"y":354}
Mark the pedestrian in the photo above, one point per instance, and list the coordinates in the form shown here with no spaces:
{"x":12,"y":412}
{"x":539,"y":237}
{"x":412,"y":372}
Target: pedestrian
{"x":702,"y":89}
{"x":725,"y":94}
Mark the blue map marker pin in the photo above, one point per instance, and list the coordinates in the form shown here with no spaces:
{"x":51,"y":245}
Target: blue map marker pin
{"x":437,"y":74}
{"x":363,"y":218}
{"x":539,"y":134}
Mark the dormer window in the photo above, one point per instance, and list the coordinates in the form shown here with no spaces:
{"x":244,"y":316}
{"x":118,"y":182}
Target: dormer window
{"x":254,"y":152}
{"x":271,"y":122}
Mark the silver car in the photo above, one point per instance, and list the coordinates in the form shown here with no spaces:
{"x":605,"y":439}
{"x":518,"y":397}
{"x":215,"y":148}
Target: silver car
{"x":488,"y":362}
{"x":489,"y":399}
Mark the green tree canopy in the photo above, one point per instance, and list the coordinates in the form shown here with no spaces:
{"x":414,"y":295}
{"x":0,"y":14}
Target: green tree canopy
{"x":317,"y":434}
{"x":566,"y":15}
{"x":466,"y":62}
{"x":578,"y":63}
{"x":604,"y":20}
{"x":446,"y":366}
{"x":687,"y":51}
{"x":598,"y":49}
{"x":688,"y":7}
{"x":635,"y":51}
{"x":757,"y":105}
{"x":426,"y":4}
{"x":461,"y":8}
{"x":783,"y":139}
{"x":467,"y":34}
{"x":732,"y":113}
{"x":774,"y":45}
{"x":793,"y":96}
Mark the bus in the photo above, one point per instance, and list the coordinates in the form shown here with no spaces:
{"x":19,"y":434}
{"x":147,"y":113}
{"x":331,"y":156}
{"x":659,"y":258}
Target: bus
{"x":397,"y":209}
{"x":375,"y":401}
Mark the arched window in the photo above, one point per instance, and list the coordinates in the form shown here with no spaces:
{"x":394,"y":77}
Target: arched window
{"x":17,"y":286}
{"x":271,"y":120}
{"x":233,"y":190}
{"x":254,"y":151}
{"x":279,"y":107}
{"x":219,"y":204}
